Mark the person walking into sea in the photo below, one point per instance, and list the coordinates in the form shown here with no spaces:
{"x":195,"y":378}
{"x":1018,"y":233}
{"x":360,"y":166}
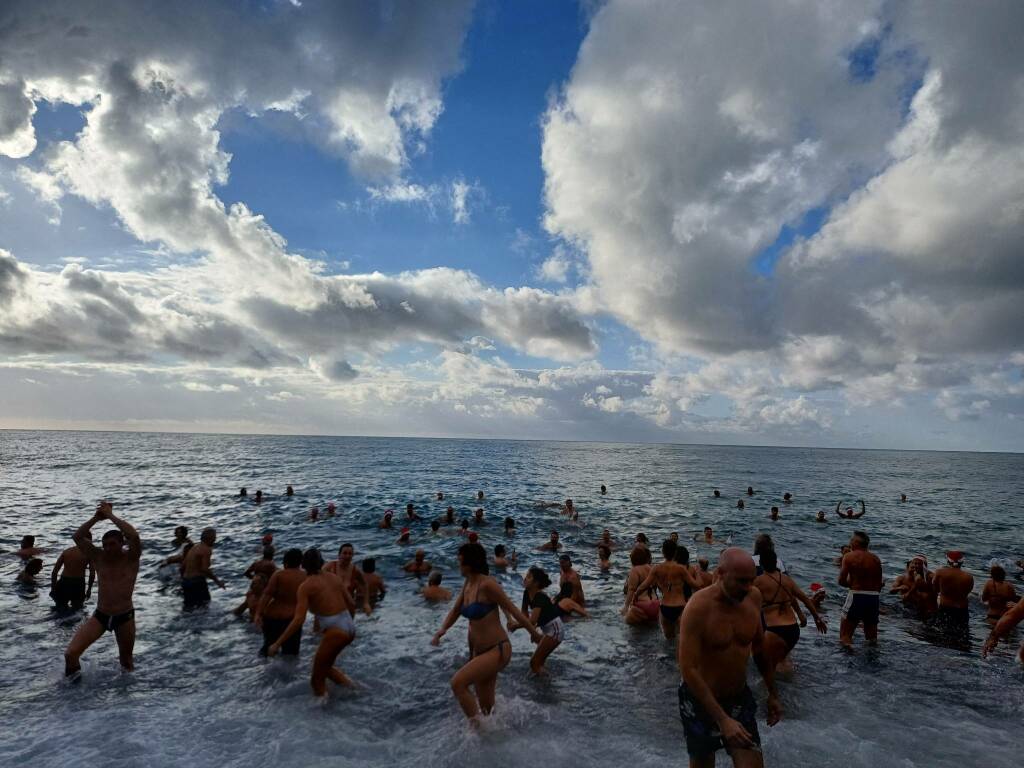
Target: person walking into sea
{"x":1003,"y":627}
{"x":195,"y":570}
{"x":778,"y":591}
{"x":861,"y":573}
{"x":116,"y":562}
{"x":258,"y":573}
{"x":545,"y":615}
{"x":489,"y":645}
{"x":277,"y":604}
{"x":675,"y":582}
{"x":721,"y":629}
{"x":331,"y":603}
{"x":954,"y":586}
{"x":351,"y":577}
{"x":641,"y":607}
{"x":67,"y":579}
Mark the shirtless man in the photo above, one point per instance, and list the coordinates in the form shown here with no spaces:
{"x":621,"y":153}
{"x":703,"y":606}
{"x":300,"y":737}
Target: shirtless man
{"x":998,"y":593}
{"x":721,"y":628}
{"x":28,"y":548}
{"x":277,"y":604}
{"x":606,"y":540}
{"x":28,"y":574}
{"x":195,"y":570}
{"x":1003,"y":627}
{"x":351,"y":577}
{"x":820,"y":517}
{"x":69,"y":591}
{"x":552,"y":545}
{"x":774,"y":515}
{"x":117,"y":567}
{"x":258,"y":573}
{"x":386,"y":520}
{"x":419,"y":565}
{"x":329,"y":598}
{"x":675,"y":582}
{"x":850,"y":514}
{"x":570,"y":576}
{"x":434,"y":592}
{"x":410,"y":513}
{"x":861,"y":573}
{"x":954,"y":586}
{"x":704,"y":576}
{"x":375,"y":588}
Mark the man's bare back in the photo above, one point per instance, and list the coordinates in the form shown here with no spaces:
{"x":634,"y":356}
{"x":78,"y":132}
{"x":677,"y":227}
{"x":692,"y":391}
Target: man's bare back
{"x":954,"y":586}
{"x":863,"y":571}
{"x":281,"y":593}
{"x":197,"y":561}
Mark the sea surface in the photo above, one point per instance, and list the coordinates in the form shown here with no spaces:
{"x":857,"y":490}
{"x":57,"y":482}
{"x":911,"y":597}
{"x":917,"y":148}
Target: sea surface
{"x":200,"y":696}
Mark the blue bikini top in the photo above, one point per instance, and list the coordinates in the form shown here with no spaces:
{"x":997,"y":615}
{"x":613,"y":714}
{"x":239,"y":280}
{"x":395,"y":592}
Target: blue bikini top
{"x":477,"y":610}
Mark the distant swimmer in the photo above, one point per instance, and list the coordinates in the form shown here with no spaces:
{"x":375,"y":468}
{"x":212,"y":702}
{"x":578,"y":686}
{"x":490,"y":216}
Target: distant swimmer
{"x":774,"y":514}
{"x":259,"y":497}
{"x":419,"y":565}
{"x":552,"y":544}
{"x":410,"y":513}
{"x":440,"y":496}
{"x":276,"y":606}
{"x":568,"y":575}
{"x":820,"y":517}
{"x":750,"y":491}
{"x":385,"y":522}
{"x":180,"y":537}
{"x":435,"y":527}
{"x":717,"y":493}
{"x":501,"y":558}
{"x":490,"y":650}
{"x":676,"y":584}
{"x":404,"y":536}
{"x":778,"y":591}
{"x":604,"y":490}
{"x":641,"y":541}
{"x":195,"y":570}
{"x":28,"y":548}
{"x":331,"y":509}
{"x":27,"y":576}
{"x":258,"y":573}
{"x":332,"y":605}
{"x":545,"y":615}
{"x":849,"y":514}
{"x":740,"y":504}
{"x":510,"y":526}
{"x":954,"y":586}
{"x":721,"y":629}
{"x":464,"y":527}
{"x":915,"y":587}
{"x":449,"y":516}
{"x":289,"y":491}
{"x":606,"y":540}
{"x":314,"y":514}
{"x":998,"y":593}
{"x":787,"y":497}
{"x":433,"y":592}
{"x":374,"y":584}
{"x":67,"y":579}
{"x":242,"y":493}
{"x":1003,"y":627}
{"x":861,"y":573}
{"x":116,"y":561}
{"x":479,"y":495}
{"x":351,"y":577}
{"x":478,"y":517}
{"x":604,"y":557}
{"x":903,"y":497}
{"x":674,"y":536}
{"x":708,"y":537}
{"x":640,"y":607}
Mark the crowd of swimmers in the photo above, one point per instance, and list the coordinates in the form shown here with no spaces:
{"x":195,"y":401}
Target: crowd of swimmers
{"x":718,"y":615}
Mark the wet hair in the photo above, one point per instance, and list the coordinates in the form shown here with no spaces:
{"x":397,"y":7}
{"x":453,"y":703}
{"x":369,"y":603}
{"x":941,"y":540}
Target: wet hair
{"x":346,"y":544}
{"x":539,"y":576}
{"x":435,"y":525}
{"x":763,"y":543}
{"x":474,"y":557}
{"x":28,"y":541}
{"x":268,"y":552}
{"x":554,"y":533}
{"x":207,"y":533}
{"x":242,"y":491}
{"x":775,"y":510}
{"x":33,"y":566}
{"x":641,"y":537}
{"x":478,"y":512}
{"x":997,"y":572}
{"x":704,"y":563}
{"x":640,"y":556}
{"x":464,"y":524}
{"x":862,"y":537}
{"x":183,"y":529}
{"x":434,"y":579}
{"x":682,"y":555}
{"x":565,"y":559}
{"x":370,"y":565}
{"x":292,"y":558}
{"x":708,"y":528}
{"x":115,"y":534}
{"x":509,"y":523}
{"x":604,"y":551}
{"x":312,"y":562}
{"x":499,"y":550}
{"x":565,"y":591}
{"x":770,"y":561}
{"x":668,"y":549}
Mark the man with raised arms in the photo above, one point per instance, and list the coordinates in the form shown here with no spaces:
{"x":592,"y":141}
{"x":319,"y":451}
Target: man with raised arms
{"x":849,"y":514}
{"x":351,"y":577}
{"x":861,"y":573}
{"x":117,"y":567}
{"x":721,"y":628}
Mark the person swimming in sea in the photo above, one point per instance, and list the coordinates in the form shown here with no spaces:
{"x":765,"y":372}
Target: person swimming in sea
{"x":774,"y":514}
{"x":604,"y":557}
{"x":820,"y":517}
{"x":385,"y":521}
{"x":479,"y":602}
{"x":552,"y":544}
{"x":510,"y":526}
{"x":27,"y":576}
{"x":501,"y":560}
{"x":849,"y":514}
{"x":419,"y":565}
{"x":433,"y":592}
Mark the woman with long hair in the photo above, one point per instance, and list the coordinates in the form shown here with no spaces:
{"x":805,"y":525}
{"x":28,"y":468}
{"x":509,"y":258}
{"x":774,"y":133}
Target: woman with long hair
{"x":780,"y":620}
{"x":545,"y":615}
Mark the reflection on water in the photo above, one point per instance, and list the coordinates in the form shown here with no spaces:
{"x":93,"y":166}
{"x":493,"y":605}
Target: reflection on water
{"x":201,"y":695}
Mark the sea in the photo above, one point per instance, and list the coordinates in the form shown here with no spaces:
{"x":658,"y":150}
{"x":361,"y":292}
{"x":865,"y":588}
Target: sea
{"x":201,"y":696}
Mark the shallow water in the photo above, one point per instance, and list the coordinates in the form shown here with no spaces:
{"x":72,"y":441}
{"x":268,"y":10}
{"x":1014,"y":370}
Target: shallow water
{"x":200,"y":694}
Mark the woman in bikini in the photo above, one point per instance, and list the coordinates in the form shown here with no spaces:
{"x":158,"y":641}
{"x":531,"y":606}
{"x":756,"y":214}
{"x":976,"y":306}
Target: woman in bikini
{"x":489,"y":646}
{"x":640,"y":607}
{"x":780,"y":620}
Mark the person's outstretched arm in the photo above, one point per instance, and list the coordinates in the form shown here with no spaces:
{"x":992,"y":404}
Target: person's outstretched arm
{"x":130,"y":534}
{"x":1010,"y":619}
{"x":450,"y":619}
{"x":56,"y":569}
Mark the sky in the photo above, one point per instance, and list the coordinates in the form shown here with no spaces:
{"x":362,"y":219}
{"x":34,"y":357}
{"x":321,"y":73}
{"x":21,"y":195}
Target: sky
{"x":792,"y":223}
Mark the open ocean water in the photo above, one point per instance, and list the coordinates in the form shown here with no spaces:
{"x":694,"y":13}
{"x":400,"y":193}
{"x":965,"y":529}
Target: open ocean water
{"x":200,"y":695}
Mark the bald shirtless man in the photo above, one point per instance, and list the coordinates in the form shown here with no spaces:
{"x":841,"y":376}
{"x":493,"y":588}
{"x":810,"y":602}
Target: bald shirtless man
{"x":861,"y":573}
{"x":276,"y":607}
{"x":69,"y":591}
{"x":721,"y":628}
{"x":676,"y":583}
{"x":195,"y":570}
{"x":331,"y":602}
{"x":117,"y":566}
{"x":351,"y":577}
{"x":419,"y":565}
{"x":954,"y":586}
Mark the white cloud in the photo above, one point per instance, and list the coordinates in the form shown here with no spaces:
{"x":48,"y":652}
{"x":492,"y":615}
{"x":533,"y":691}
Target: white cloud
{"x":555,"y":268}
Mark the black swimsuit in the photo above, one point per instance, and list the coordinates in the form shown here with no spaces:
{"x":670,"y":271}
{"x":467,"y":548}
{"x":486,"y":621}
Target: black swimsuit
{"x":111,"y":623}
{"x":790,"y":633}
